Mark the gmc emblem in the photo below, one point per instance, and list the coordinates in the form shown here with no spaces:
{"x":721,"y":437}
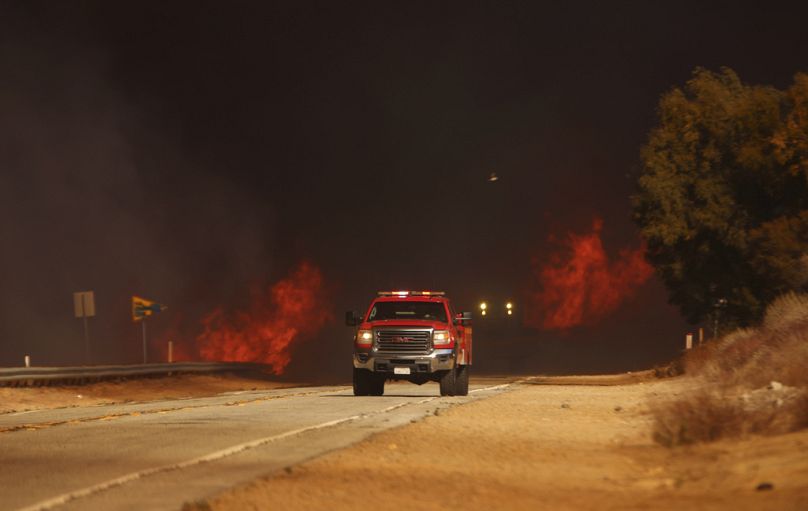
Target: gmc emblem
{"x":401,"y":339}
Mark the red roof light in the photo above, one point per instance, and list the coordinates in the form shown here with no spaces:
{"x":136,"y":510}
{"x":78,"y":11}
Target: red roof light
{"x":411,"y":293}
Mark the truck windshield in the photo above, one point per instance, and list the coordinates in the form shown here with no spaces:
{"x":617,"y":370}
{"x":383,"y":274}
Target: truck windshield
{"x":430,"y":311}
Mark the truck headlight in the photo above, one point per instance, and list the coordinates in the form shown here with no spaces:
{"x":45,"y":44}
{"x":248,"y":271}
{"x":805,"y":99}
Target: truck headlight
{"x":441,"y":337}
{"x":364,"y":337}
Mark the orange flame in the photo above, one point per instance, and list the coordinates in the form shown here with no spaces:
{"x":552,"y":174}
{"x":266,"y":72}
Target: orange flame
{"x":580,"y":285}
{"x":290,"y":310}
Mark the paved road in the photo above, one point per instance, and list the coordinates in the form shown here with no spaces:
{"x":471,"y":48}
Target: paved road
{"x":159,"y":455}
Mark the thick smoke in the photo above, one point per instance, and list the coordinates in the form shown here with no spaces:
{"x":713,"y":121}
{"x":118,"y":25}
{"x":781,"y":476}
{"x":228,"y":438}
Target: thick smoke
{"x":95,"y":196}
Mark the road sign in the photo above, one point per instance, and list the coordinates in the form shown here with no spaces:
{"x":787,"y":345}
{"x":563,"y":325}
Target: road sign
{"x":142,"y":308}
{"x":84,"y":304}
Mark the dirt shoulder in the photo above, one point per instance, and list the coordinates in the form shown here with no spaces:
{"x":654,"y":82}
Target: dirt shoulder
{"x":133,"y":390}
{"x":541,"y":446}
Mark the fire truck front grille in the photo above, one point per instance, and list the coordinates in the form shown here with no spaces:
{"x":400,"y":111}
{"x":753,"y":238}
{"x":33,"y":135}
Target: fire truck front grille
{"x":403,"y":341}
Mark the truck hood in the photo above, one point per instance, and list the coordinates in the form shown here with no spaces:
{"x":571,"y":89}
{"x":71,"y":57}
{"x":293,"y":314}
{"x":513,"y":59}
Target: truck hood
{"x":405,"y":323}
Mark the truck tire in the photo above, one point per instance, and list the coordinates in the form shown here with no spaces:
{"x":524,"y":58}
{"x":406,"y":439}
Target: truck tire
{"x":462,"y":381}
{"x":362,"y":381}
{"x":377,"y":387}
{"x":448,"y":383}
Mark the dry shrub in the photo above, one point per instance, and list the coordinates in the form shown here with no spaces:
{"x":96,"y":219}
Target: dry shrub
{"x":707,"y":416}
{"x":786,"y":312}
{"x":789,"y":415}
{"x":696,"y":360}
{"x":718,"y":360}
{"x":799,"y":412}
{"x":702,"y":417}
{"x":669,"y":370}
{"x":751,"y":357}
{"x":736,"y":397}
{"x":784,"y":358}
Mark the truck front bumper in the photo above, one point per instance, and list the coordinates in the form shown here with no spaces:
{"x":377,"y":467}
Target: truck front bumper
{"x":438,"y":360}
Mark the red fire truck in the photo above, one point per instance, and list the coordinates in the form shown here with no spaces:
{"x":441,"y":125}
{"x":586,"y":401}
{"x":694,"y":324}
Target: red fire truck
{"x":414,"y":336}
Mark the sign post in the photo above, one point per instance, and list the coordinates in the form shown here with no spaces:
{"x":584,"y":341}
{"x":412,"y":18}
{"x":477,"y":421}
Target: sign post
{"x":84,"y":307}
{"x":145,"y":357}
{"x":141,"y":309}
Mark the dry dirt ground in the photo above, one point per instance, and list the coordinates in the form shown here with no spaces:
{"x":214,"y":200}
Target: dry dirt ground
{"x":134,"y":390}
{"x":565,"y":443}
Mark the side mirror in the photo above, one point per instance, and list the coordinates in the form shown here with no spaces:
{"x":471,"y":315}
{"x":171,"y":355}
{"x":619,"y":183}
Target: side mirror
{"x":463,"y":318}
{"x":351,"y":319}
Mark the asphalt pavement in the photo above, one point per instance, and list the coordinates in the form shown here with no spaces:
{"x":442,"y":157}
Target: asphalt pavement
{"x":161,"y":454}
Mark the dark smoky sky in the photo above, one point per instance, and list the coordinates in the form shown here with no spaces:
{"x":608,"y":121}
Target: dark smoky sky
{"x":186,"y":151}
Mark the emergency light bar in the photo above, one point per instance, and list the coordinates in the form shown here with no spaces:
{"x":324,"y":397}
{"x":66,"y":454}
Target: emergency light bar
{"x":411,"y":293}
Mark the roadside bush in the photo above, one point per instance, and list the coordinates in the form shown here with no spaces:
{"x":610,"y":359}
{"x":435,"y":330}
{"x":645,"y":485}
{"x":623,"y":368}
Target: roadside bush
{"x":702,"y":417}
{"x":753,"y":380}
{"x":721,"y":358}
{"x":801,"y":412}
{"x":709,"y":415}
{"x":787,"y":312}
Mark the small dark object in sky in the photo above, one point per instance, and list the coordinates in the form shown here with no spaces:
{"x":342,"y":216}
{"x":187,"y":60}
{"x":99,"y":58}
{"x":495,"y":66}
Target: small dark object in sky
{"x":565,"y":405}
{"x":765,"y":486}
{"x":618,"y":408}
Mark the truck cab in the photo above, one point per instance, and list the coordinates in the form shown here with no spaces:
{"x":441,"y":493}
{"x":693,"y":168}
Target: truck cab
{"x":414,"y":336}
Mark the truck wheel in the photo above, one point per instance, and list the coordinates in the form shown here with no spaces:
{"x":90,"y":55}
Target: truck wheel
{"x":462,"y":381}
{"x":361,"y":382}
{"x":448,"y":383}
{"x":377,"y":387}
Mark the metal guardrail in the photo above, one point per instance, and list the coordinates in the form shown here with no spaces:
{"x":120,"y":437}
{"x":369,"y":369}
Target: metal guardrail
{"x":26,"y":376}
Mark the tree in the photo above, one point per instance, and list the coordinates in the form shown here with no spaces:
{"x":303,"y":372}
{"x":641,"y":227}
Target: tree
{"x":723,"y":192}
{"x":791,"y":140}
{"x":780,"y":253}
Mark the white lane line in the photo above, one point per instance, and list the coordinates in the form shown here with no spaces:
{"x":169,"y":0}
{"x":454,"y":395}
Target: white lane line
{"x":22,"y":413}
{"x":495,"y":387}
{"x":134,"y":476}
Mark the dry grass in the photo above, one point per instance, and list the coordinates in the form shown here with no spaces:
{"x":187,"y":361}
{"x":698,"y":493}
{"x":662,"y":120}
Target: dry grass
{"x":702,"y":417}
{"x":786,"y":312}
{"x":738,"y":396}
